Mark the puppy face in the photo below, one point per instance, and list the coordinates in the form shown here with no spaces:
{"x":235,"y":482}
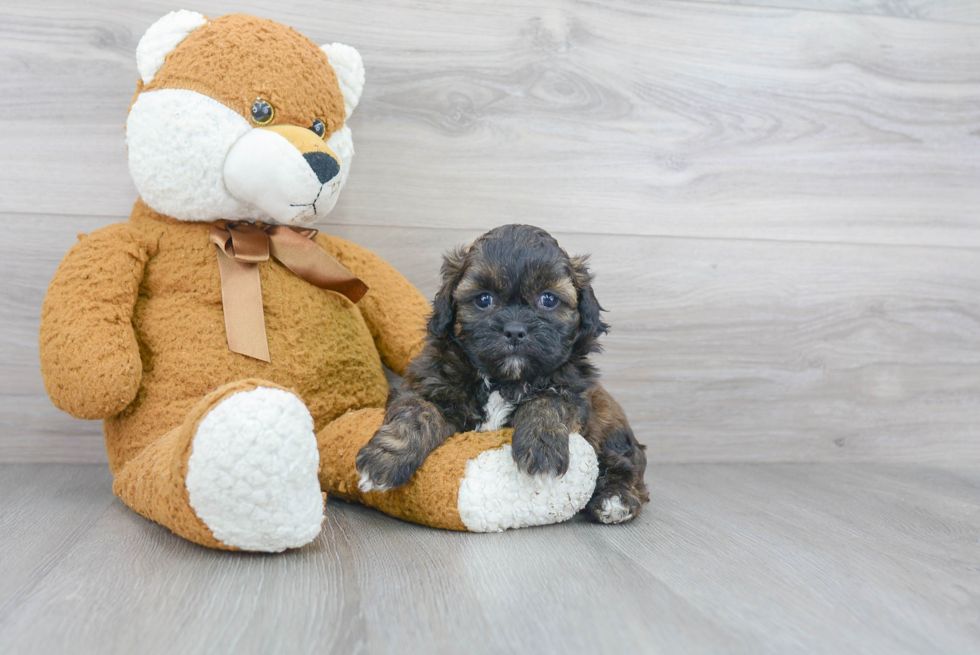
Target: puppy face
{"x":517,"y":304}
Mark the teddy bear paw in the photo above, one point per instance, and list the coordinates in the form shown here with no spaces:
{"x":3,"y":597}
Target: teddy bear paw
{"x":252,"y":474}
{"x":495,"y":495}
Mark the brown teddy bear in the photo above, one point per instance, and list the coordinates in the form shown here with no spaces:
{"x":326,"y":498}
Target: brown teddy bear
{"x":235,"y":354}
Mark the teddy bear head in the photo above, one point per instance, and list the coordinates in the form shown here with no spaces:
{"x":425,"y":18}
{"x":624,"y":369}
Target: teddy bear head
{"x":241,"y":118}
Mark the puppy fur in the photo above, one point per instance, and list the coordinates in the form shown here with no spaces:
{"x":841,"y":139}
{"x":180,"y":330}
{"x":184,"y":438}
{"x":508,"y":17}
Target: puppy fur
{"x":508,"y":344}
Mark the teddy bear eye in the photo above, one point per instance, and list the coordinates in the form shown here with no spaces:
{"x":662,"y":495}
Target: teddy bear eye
{"x":319,"y":128}
{"x":548,"y":301}
{"x":262,"y":112}
{"x":484,"y":300}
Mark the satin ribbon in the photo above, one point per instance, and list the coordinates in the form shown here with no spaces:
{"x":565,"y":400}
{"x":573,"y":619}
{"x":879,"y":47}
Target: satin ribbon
{"x":241,"y":247}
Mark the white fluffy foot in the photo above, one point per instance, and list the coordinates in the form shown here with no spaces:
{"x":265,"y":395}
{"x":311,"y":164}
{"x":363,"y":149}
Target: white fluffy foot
{"x":614,"y":510}
{"x":366,"y":484}
{"x":494,"y":495}
{"x":252,"y":473}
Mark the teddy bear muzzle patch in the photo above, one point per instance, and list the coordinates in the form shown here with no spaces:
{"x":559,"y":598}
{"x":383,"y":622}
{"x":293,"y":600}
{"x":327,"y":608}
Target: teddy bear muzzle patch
{"x":286,"y":171}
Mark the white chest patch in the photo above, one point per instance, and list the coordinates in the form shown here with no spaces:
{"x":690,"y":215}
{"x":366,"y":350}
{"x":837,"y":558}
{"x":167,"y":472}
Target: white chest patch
{"x":495,"y":413}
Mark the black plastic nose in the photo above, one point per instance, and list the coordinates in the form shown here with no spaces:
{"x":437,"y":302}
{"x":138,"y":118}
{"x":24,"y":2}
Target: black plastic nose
{"x":325,"y":166}
{"x":515,"y":333}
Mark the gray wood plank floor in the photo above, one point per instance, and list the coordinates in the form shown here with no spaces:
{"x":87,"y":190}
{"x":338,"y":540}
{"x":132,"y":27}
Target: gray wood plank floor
{"x":727,"y":558}
{"x":780,"y":198}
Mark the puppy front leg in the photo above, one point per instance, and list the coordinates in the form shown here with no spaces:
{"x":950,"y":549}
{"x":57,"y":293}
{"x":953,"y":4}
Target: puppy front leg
{"x":413,"y":427}
{"x":541,"y":429}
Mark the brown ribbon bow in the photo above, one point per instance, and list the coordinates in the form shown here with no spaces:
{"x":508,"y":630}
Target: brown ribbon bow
{"x":241,"y":246}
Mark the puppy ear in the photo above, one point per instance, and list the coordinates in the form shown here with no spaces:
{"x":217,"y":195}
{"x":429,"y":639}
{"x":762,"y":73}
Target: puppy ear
{"x":592,"y":326}
{"x":444,"y":307}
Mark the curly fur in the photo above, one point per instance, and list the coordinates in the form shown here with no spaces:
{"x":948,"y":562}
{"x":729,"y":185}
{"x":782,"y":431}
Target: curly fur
{"x":495,"y":339}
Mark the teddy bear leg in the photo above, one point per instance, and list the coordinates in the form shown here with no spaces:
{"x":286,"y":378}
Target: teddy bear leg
{"x":239,"y":473}
{"x":471,"y":482}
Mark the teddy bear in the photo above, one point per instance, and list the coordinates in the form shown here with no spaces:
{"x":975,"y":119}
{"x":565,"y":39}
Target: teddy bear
{"x":235,"y":354}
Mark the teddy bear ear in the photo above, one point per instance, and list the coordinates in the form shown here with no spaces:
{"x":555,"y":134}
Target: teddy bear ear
{"x":162,"y":37}
{"x":349,"y":67}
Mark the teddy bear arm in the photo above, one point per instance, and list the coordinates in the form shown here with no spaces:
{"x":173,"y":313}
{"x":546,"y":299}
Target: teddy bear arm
{"x":394,"y":310}
{"x":90,"y":359}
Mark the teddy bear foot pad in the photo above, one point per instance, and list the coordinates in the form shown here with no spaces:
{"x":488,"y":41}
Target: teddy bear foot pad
{"x":495,"y":496}
{"x":252,"y":473}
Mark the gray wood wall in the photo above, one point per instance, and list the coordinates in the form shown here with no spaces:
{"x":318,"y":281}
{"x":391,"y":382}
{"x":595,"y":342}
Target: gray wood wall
{"x":781,"y":197}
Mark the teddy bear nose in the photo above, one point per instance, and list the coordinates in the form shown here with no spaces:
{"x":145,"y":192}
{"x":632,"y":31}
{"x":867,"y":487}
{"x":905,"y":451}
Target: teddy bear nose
{"x":325,"y":166}
{"x":515,"y":333}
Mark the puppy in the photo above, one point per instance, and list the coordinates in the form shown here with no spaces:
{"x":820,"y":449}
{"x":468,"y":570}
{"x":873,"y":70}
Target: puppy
{"x":508,"y":345}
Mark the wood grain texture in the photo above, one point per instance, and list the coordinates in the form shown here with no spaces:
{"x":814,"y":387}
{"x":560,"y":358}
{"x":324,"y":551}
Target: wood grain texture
{"x":954,"y":11}
{"x":721,"y":350}
{"x":44,"y":510}
{"x":669,"y":118}
{"x":781,"y":203}
{"x":726,"y":350}
{"x":725,"y":559}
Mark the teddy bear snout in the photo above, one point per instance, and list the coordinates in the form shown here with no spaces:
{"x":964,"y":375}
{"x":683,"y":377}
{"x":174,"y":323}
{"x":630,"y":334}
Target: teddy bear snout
{"x":324,"y":166}
{"x":289,"y":173}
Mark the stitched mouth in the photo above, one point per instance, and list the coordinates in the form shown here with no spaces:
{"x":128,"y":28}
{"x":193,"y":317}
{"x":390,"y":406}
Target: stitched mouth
{"x":311,"y":204}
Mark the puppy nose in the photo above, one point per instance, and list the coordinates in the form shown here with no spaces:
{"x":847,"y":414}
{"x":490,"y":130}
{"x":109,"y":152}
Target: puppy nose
{"x":323,"y":165}
{"x":515,"y":333}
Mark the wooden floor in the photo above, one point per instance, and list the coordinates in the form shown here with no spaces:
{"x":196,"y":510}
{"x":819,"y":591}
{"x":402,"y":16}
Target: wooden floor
{"x":781,"y":200}
{"x":726,"y":558}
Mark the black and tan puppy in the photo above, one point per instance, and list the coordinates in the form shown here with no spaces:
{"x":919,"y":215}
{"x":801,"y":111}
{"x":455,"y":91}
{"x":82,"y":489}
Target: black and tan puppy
{"x":508,"y":344}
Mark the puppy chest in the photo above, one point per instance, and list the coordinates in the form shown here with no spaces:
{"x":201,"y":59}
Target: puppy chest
{"x":496,"y":413}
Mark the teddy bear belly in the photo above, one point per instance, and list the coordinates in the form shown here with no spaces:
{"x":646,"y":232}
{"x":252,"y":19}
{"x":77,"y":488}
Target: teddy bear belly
{"x":319,"y":345}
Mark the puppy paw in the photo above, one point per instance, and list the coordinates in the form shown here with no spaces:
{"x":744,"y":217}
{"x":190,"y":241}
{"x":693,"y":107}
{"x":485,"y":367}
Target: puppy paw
{"x":385,"y":462}
{"x":540,"y":452}
{"x":613,"y":504}
{"x":366,"y":484}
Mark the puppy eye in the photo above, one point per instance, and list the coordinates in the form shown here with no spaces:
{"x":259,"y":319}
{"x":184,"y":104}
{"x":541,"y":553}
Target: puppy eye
{"x":262,"y":112}
{"x":548,"y":301}
{"x":484,"y":300}
{"x":319,"y":128}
